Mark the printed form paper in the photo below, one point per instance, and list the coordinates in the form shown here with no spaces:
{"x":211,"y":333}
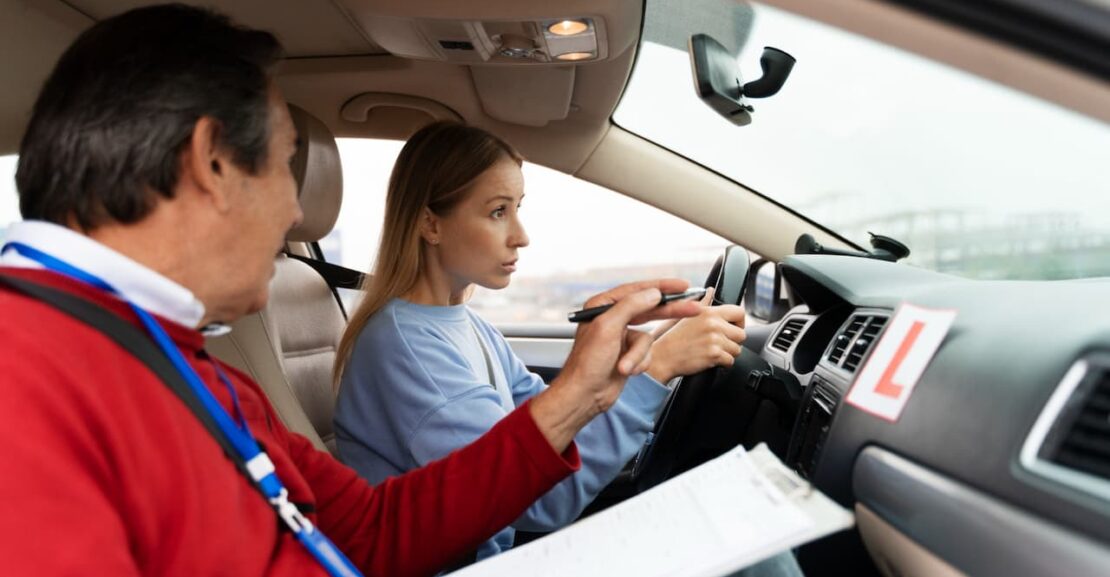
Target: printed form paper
{"x":722,"y":516}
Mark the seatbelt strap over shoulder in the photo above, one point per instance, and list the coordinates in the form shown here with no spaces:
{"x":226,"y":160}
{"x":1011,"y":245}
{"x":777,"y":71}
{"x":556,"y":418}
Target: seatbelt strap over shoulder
{"x":131,"y":339}
{"x":504,"y":392}
{"x":245,"y":452}
{"x":335,"y":275}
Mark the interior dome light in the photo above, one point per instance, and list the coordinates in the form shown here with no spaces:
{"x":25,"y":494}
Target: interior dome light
{"x":568,"y":27}
{"x":575,"y":56}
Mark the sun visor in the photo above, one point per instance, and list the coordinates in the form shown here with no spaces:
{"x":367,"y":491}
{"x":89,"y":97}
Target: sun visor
{"x":530,"y":96}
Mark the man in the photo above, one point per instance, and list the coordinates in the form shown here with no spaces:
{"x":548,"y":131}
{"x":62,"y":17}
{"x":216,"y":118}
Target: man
{"x":155,"y":180}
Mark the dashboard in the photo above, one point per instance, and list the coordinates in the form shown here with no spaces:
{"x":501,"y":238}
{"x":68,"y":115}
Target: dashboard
{"x":999,"y":463}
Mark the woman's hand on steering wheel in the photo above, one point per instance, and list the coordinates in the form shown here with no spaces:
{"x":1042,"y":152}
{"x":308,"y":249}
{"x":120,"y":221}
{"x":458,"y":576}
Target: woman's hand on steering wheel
{"x":711,"y":339}
{"x":669,"y":324}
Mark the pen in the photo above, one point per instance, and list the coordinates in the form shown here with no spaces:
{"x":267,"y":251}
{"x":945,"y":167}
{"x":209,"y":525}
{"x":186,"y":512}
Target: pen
{"x":586,"y":315}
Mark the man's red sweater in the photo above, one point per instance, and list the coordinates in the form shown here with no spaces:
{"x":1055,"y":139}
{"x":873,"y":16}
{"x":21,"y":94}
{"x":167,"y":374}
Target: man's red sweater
{"x":105,"y":472}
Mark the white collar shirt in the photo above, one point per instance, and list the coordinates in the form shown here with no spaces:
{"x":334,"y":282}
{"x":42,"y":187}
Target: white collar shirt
{"x":135,"y":282}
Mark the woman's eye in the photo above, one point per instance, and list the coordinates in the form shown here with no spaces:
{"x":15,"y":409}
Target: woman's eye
{"x":498,"y":213}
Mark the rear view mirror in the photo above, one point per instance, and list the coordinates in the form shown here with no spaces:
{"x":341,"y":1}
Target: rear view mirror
{"x":718,"y":82}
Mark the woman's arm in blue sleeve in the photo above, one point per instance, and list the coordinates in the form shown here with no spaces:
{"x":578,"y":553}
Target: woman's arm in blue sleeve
{"x":605,"y":445}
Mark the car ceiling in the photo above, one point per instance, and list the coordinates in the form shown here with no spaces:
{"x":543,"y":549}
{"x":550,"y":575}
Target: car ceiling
{"x":307,"y":29}
{"x":331,"y":59}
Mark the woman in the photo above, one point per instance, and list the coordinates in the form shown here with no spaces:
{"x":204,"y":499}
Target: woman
{"x":422,"y":375}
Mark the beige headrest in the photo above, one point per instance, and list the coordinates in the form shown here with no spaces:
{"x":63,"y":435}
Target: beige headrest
{"x":319,"y":177}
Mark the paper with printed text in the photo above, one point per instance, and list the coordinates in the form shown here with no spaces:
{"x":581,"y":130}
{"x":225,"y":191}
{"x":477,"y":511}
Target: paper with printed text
{"x":722,"y":516}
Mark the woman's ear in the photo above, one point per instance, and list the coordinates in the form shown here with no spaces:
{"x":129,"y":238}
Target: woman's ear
{"x":429,"y":226}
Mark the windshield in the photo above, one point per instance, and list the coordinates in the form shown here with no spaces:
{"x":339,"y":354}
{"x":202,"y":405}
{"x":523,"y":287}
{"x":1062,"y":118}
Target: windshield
{"x":976,"y":178}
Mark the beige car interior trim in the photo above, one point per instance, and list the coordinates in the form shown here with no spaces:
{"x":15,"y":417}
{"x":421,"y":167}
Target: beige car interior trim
{"x":895,"y":554}
{"x":306,"y":29}
{"x":32,"y":38}
{"x":359,"y":108}
{"x":319,"y":190}
{"x":672,"y":183}
{"x":395,"y":116}
{"x":541,"y":352}
{"x":305,"y":318}
{"x":979,"y":55}
{"x":528,"y":96}
{"x":622,"y":17}
{"x":289,"y":346}
{"x":252,"y":348}
{"x":323,"y":86}
{"x":474,"y":41}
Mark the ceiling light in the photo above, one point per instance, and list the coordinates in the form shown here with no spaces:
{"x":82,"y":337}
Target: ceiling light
{"x":568,"y":27}
{"x":575,"y":56}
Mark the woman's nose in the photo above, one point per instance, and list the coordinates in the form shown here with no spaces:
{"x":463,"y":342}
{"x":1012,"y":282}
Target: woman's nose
{"x":519,"y":238}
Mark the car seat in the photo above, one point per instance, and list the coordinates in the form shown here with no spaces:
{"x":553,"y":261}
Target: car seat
{"x":289,"y":346}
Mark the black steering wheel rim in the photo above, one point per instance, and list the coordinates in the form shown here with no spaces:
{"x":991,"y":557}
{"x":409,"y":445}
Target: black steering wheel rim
{"x":659,"y":455}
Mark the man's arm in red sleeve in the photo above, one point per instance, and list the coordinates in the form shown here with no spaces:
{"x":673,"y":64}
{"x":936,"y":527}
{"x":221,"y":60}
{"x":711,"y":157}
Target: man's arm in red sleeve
{"x":420,"y":522}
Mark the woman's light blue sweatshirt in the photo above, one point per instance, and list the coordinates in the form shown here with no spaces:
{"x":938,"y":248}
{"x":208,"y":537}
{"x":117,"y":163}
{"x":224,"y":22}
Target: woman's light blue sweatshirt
{"x":417,"y":387}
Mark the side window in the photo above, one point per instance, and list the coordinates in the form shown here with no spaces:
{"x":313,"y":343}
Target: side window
{"x":583,"y":238}
{"x":9,"y":200}
{"x":367,"y":163}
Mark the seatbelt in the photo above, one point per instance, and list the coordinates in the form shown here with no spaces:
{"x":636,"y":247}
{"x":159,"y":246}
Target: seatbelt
{"x":503,"y":392}
{"x":485,"y":355}
{"x":134,"y":341}
{"x":336,"y":276}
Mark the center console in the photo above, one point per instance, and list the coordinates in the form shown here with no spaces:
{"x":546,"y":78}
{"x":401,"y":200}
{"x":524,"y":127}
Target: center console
{"x":811,"y":428}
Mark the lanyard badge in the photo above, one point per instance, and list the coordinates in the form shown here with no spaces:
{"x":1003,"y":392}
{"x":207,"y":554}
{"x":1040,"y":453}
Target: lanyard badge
{"x":258,"y":464}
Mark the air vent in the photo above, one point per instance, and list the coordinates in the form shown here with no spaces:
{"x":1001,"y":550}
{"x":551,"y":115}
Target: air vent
{"x":1070,"y":442}
{"x":845,"y":338}
{"x":866,"y":339}
{"x":851,"y":345}
{"x":1085,"y":444}
{"x":789,"y":333}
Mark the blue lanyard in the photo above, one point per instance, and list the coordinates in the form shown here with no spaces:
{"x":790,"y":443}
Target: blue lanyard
{"x":258,"y":464}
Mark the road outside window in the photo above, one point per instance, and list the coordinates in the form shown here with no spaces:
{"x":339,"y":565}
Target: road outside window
{"x":584,"y":238}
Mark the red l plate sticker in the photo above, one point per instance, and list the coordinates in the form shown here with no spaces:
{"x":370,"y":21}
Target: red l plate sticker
{"x":887,"y":380}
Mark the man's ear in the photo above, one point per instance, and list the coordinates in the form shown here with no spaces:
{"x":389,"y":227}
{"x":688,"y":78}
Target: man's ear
{"x":429,"y":226}
{"x":207,"y":165}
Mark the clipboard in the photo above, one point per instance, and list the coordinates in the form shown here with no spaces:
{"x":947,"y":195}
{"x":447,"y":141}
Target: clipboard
{"x":722,"y":516}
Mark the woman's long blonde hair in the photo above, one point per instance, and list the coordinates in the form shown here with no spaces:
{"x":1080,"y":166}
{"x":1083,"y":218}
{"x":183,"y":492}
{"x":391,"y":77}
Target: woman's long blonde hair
{"x":435,"y":170}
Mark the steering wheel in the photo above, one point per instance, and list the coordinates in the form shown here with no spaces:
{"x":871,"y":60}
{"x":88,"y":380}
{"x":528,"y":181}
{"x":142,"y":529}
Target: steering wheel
{"x":657,"y":459}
